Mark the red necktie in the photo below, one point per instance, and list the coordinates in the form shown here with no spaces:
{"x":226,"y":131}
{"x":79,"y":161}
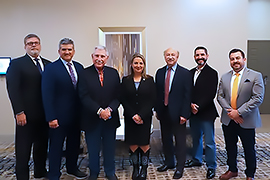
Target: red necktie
{"x":167,"y":87}
{"x":100,"y":73}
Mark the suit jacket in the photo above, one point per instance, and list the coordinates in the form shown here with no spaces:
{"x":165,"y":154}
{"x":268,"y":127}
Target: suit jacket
{"x":204,"y":92}
{"x":138,"y":101}
{"x":24,"y":87}
{"x":94,"y":96}
{"x":249,"y":98}
{"x":60,"y":98}
{"x":179,"y":95}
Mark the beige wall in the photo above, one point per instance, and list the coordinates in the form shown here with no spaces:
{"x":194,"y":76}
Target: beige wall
{"x":183,"y":24}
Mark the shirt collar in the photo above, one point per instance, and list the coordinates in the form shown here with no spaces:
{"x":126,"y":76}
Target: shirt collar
{"x":33,"y":57}
{"x":173,"y":67}
{"x":65,"y":62}
{"x":240,"y":72}
{"x":199,"y":69}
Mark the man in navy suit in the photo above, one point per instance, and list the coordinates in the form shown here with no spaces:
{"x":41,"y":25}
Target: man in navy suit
{"x":99,"y":87}
{"x":173,"y":84}
{"x":204,"y":113}
{"x":24,"y":90}
{"x":240,"y":94}
{"x":61,"y":104}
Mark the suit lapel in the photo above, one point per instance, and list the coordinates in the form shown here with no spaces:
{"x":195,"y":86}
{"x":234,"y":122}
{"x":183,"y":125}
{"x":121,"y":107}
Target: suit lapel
{"x":227,"y":82}
{"x":243,"y":78}
{"x":63,"y":68}
{"x":176,"y":73}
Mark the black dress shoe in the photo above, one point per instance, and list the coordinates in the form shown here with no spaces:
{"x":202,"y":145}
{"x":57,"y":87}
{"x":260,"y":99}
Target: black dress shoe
{"x":77,"y":174}
{"x":210,"y":173}
{"x":177,"y":174}
{"x":190,"y":163}
{"x":112,"y":177}
{"x":164,"y":168}
{"x":40,"y":175}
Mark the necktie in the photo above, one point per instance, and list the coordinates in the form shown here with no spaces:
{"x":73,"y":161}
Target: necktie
{"x":38,"y":65}
{"x":234,"y":92}
{"x":100,"y":74}
{"x":72,"y":75}
{"x":167,"y":87}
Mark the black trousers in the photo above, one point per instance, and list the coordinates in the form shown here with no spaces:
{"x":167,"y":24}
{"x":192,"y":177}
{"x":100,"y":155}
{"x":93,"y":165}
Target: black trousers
{"x":247,"y":136}
{"x":174,"y":140}
{"x":36,"y":135}
{"x":70,"y":133}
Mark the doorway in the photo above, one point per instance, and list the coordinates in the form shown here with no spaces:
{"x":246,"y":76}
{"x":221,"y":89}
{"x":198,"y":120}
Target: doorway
{"x":258,"y":59}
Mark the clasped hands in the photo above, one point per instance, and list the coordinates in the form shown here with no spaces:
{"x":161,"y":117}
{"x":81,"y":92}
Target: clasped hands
{"x":105,"y":114}
{"x":234,"y":115}
{"x":137,"y":119}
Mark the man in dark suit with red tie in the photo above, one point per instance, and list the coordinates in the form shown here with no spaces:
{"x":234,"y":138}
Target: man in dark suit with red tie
{"x":99,"y":87}
{"x":61,"y":104}
{"x":173,"y":84}
{"x":24,"y":90}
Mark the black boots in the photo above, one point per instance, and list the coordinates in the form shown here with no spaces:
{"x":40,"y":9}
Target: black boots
{"x":145,"y":160}
{"x":134,"y":158}
{"x":139,"y":158}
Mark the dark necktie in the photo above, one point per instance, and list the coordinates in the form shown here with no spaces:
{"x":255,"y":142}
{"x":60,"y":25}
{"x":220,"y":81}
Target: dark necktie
{"x":38,"y":65}
{"x":100,"y":74}
{"x":72,"y":75}
{"x":167,"y":87}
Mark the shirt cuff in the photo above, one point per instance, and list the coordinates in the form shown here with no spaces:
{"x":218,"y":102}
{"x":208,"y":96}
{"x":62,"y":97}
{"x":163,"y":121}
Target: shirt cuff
{"x":99,"y":111}
{"x":20,"y":113}
{"x":110,"y":109}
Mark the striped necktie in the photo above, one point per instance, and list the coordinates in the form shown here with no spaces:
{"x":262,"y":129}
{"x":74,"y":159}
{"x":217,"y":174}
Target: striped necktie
{"x":72,"y":75}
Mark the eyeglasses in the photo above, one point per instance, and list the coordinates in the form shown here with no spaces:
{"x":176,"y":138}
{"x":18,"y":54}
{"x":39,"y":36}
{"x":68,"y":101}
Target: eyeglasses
{"x":33,"y":43}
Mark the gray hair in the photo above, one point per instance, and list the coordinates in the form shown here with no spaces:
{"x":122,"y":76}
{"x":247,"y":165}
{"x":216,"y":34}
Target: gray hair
{"x":66,"y":41}
{"x":173,"y":49}
{"x":100,"y":47}
{"x":28,"y":36}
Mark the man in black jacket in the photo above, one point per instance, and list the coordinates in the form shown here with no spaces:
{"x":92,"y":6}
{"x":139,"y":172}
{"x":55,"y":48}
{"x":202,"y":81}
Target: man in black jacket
{"x":24,"y":90}
{"x":204,"y":113}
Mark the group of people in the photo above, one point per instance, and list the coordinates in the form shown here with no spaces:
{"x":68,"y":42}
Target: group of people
{"x":55,"y":101}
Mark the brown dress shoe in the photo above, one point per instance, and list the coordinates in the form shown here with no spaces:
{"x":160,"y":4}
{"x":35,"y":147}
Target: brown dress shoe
{"x":250,"y":178}
{"x":228,"y":175}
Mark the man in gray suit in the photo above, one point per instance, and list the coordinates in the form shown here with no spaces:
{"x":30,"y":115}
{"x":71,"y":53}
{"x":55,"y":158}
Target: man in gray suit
{"x":240,"y":94}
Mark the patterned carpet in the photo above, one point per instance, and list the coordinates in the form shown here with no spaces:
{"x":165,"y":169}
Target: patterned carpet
{"x":124,"y":170}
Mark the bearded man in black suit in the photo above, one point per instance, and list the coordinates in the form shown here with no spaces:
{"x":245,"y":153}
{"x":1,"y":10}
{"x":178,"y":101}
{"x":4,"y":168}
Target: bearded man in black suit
{"x":204,"y":112}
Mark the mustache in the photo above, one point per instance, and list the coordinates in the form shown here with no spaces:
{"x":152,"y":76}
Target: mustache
{"x":99,"y":61}
{"x":236,"y":63}
{"x":203,"y":59}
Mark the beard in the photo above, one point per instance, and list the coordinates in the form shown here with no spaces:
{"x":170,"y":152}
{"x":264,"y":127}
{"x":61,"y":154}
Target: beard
{"x":201,"y":63}
{"x":34,"y":52}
